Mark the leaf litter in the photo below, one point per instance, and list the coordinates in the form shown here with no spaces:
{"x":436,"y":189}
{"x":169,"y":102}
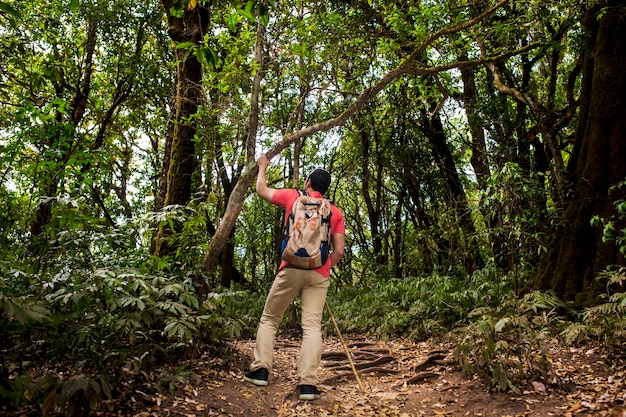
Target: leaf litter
{"x":401,"y":379}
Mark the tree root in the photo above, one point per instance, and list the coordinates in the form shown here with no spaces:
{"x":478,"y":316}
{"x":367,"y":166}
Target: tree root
{"x":369,"y":361}
{"x":341,"y":356}
{"x":437,"y":358}
{"x":364,"y":365}
{"x":421,"y":377}
{"x":373,"y":370}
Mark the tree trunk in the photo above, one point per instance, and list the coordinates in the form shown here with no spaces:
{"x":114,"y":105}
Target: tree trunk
{"x":180,"y":161}
{"x":479,"y":159}
{"x":453,"y":186}
{"x":578,"y":253}
{"x":371,"y":186}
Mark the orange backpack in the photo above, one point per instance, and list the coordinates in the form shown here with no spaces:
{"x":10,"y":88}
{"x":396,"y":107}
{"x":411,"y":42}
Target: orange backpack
{"x":307,"y":233}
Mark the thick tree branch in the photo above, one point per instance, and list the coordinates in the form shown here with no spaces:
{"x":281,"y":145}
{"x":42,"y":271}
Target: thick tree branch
{"x":502,"y":87}
{"x":369,"y":93}
{"x":235,"y":202}
{"x":545,"y":123}
{"x":81,"y":95}
{"x":253,"y":123}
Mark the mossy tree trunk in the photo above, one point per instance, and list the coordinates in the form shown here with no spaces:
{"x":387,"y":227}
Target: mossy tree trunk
{"x":597,"y":164}
{"x":179,"y":161}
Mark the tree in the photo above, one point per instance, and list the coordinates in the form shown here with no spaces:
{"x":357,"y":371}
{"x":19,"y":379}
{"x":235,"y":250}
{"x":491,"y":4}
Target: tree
{"x":179,"y":162}
{"x":65,"y":92}
{"x":61,"y":137}
{"x":596,"y":167}
{"x":407,"y":65}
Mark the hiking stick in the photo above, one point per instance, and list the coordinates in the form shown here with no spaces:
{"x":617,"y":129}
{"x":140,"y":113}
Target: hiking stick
{"x":345,"y":347}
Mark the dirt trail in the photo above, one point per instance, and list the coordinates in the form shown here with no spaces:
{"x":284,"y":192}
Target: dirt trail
{"x":401,"y":379}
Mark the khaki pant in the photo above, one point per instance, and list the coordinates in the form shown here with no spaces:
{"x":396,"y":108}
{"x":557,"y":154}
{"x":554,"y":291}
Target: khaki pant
{"x":312,"y":287}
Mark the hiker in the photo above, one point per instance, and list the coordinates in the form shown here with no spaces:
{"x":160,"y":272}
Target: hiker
{"x":311,"y":284}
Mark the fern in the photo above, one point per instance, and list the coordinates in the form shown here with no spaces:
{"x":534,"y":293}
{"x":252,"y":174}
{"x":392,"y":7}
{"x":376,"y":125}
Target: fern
{"x":605,"y":321}
{"x":500,"y":344}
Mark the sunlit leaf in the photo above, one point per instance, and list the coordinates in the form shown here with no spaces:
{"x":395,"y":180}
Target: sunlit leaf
{"x":247,"y":14}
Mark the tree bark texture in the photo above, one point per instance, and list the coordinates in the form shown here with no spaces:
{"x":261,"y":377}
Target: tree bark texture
{"x":180,"y":161}
{"x":479,"y":158}
{"x":371,"y":185}
{"x":578,"y":253}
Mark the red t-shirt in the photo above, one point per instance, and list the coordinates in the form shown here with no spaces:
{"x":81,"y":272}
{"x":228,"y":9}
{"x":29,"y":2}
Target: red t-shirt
{"x":286,"y":197}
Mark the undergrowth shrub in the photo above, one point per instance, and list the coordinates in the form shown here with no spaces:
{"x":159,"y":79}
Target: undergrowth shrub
{"x":505,"y":344}
{"x":96,"y":305}
{"x":17,"y":309}
{"x":605,"y":322}
{"x":106,"y":325}
{"x":416,"y":308}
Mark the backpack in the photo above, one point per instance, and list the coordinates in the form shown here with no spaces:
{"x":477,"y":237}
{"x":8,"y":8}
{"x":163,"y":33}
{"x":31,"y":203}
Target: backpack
{"x":307,"y":233}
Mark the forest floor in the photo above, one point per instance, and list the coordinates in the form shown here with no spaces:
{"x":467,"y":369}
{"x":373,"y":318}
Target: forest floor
{"x":399,"y":379}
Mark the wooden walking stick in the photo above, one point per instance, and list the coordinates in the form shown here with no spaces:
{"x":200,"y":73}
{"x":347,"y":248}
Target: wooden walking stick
{"x":345,"y":347}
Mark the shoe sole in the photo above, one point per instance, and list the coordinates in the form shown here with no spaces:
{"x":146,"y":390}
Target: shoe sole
{"x":259,"y":382}
{"x":309,"y":397}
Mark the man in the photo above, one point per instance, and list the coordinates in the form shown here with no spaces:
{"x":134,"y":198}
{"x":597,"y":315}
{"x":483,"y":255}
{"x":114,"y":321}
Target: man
{"x":312,"y":285}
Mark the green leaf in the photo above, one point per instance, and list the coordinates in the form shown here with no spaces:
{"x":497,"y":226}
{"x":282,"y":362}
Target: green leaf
{"x":250,"y":6}
{"x":265,"y":19}
{"x":177,"y":12}
{"x":200,"y":54}
{"x":214,"y":56}
{"x":231,"y":22}
{"x":6,"y":9}
{"x":247,"y":15}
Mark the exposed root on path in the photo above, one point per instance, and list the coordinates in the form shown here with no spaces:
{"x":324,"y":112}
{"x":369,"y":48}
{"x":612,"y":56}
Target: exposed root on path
{"x":368,"y":360}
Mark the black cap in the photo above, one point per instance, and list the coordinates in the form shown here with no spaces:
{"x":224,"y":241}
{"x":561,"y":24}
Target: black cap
{"x":320,"y":180}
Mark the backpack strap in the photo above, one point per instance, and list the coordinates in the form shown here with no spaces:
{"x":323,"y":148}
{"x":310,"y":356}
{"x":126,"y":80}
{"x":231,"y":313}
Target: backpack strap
{"x":327,"y":219}
{"x":290,"y":218}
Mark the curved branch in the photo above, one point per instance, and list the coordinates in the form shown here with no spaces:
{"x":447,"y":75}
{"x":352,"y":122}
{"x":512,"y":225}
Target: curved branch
{"x":503,"y":88}
{"x":369,"y":93}
{"x":235,"y":202}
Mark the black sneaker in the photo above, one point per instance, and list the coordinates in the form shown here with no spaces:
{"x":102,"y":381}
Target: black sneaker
{"x":258,"y":377}
{"x":309,"y":392}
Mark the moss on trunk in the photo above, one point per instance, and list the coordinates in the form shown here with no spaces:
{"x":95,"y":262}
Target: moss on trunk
{"x":578,"y":252}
